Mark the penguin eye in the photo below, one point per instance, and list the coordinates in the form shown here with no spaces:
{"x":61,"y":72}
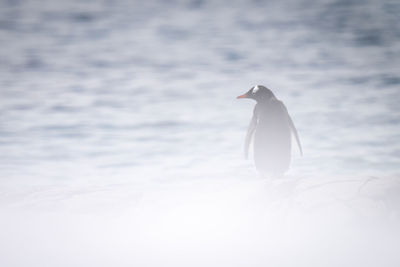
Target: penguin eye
{"x":255,"y":89}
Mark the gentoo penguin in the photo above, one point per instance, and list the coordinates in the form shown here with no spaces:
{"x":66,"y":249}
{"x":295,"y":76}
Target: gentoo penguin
{"x":272,"y":127}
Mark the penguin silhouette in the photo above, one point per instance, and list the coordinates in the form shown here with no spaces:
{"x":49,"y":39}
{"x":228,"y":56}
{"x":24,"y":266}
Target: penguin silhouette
{"x":272,"y":127}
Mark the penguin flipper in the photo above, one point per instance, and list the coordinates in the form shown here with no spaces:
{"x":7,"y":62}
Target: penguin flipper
{"x":293,"y":128}
{"x":249,"y":135}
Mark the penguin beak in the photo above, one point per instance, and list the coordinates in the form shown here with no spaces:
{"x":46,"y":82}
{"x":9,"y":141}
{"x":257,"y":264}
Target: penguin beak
{"x":243,"y":96}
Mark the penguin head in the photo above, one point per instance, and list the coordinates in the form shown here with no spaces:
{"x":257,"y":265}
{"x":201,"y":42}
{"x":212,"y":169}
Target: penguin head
{"x":258,"y":93}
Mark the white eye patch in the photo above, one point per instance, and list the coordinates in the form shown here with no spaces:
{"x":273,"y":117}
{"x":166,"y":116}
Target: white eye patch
{"x":255,"y":89}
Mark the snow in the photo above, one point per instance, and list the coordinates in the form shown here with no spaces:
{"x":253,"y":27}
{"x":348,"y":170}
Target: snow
{"x":122,"y":139}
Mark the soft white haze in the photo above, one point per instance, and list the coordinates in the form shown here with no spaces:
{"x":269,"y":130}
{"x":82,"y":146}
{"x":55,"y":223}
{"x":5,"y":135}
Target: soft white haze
{"x":122,"y":141}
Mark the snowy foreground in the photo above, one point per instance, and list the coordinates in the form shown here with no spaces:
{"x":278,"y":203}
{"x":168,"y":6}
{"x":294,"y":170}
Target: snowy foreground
{"x":121,"y":139}
{"x":307,"y":221}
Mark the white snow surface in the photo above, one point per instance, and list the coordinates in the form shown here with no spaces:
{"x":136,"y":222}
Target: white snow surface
{"x":122,"y":141}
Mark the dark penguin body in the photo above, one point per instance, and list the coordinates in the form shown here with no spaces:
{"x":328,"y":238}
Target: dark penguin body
{"x":272,"y":127}
{"x":272,"y":139}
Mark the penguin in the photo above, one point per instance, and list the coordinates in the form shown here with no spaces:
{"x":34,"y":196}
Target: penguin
{"x":272,"y":127}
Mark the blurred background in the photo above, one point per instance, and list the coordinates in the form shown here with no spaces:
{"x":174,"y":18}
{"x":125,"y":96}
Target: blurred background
{"x":108,"y":106}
